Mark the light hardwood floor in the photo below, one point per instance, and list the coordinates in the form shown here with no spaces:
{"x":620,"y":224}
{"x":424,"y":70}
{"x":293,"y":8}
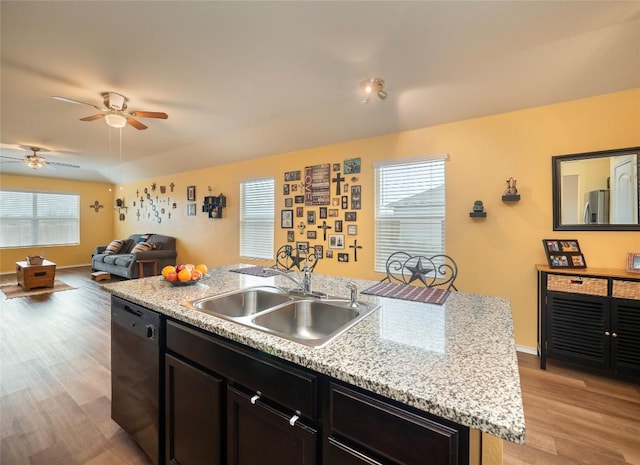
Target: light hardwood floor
{"x":55,"y":393}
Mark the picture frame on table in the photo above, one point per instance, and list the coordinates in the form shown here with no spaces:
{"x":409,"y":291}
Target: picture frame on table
{"x":563,"y":253}
{"x":633,"y":262}
{"x":286,"y":219}
{"x":191,"y":193}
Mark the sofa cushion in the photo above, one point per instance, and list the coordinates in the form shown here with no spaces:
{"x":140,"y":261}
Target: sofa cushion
{"x":99,"y":257}
{"x":123,"y":260}
{"x":127,"y":245}
{"x":114,"y":247}
{"x":143,"y":247}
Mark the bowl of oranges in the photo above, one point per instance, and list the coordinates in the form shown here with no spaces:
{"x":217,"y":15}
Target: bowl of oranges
{"x":184,"y":274}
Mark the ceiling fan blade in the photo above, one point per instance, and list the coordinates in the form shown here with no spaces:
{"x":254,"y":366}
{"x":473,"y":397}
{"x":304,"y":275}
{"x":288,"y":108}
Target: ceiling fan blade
{"x":78,"y":102}
{"x":136,"y":124}
{"x":150,"y":114}
{"x":92,"y":118}
{"x":10,"y":159}
{"x":64,"y":165}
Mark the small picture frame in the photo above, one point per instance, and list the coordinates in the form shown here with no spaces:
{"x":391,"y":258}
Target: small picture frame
{"x":299,"y":212}
{"x":633,"y":262}
{"x":288,"y":202}
{"x":302,"y":246}
{"x":352,"y":166}
{"x":292,"y":176}
{"x":319,"y":250}
{"x":563,"y":253}
{"x":323,"y":212}
{"x":329,"y":254}
{"x":343,"y":257}
{"x":337,"y":227}
{"x":285,"y":189}
{"x":311,"y":234}
{"x":299,"y":199}
{"x":333,"y":212}
{"x":336,"y":167}
{"x":350,"y":216}
{"x":191,"y":209}
{"x":336,"y":241}
{"x":345,"y":202}
{"x":352,"y":230}
{"x":286,"y":219}
{"x":191,"y":193}
{"x":291,"y":236}
{"x":335,"y":202}
{"x":311,"y":217}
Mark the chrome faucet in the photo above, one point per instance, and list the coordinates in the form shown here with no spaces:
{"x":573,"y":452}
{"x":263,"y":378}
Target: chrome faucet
{"x":354,"y":294}
{"x":304,"y":285}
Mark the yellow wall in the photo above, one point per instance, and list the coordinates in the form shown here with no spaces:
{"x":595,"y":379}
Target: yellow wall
{"x":95,"y":228}
{"x":495,"y":255}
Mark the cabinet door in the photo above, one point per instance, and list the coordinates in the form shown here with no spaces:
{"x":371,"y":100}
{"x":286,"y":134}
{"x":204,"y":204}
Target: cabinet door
{"x":576,"y":326}
{"x":260,"y":435}
{"x":625,"y":336}
{"x":341,"y":454}
{"x":193,"y":415}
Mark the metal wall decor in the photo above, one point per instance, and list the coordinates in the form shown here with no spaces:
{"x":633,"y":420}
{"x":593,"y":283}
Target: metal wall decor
{"x":96,"y":206}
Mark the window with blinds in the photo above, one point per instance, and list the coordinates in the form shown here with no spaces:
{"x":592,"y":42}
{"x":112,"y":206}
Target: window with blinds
{"x":29,"y":219}
{"x":257,"y":204}
{"x":409,"y":209}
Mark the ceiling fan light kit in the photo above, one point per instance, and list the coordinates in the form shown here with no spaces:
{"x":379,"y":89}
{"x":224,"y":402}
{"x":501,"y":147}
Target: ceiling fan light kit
{"x":373,"y":86}
{"x":116,"y":121}
{"x":34,"y":161}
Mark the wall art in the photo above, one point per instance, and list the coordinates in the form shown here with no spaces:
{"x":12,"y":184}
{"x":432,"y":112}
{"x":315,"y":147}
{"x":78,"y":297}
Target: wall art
{"x":336,"y":241}
{"x":319,"y":251}
{"x":316,"y":184}
{"x":299,"y":199}
{"x":288,"y":202}
{"x":299,"y":212}
{"x":291,"y":237}
{"x":343,"y":257}
{"x":191,"y":209}
{"x":333,"y":212}
{"x":286,"y":219}
{"x":191,"y":193}
{"x":311,"y":217}
{"x":352,"y":166}
{"x":285,"y":189}
{"x":338,"y":226}
{"x":323,"y":212}
{"x":311,"y":234}
{"x":350,"y":216}
{"x":292,"y":176}
{"x":352,"y":230}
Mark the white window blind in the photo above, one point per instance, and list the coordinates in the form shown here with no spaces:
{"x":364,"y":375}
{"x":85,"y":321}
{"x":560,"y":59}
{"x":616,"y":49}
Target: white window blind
{"x":257,"y":205}
{"x":30,"y":219}
{"x":410,"y":209}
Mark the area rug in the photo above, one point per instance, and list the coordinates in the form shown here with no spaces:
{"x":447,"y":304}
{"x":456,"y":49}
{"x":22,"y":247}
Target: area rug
{"x":11,"y":291}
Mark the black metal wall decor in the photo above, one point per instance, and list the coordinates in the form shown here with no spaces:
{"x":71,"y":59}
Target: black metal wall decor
{"x":213,"y":205}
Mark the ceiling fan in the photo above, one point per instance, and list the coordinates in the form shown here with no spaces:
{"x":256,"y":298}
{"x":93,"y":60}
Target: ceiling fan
{"x":35,"y":161}
{"x":115,"y":111}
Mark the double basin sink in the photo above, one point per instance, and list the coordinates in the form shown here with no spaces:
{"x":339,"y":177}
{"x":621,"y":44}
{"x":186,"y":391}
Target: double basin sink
{"x":312,"y":321}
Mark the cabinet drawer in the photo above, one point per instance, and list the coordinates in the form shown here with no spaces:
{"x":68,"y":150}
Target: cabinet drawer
{"x":577,"y":285}
{"x":288,"y":386}
{"x":382,"y":430}
{"x":626,"y":289}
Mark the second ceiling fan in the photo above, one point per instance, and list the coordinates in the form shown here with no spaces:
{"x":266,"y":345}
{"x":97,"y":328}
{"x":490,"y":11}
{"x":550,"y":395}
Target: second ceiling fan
{"x":115,"y":111}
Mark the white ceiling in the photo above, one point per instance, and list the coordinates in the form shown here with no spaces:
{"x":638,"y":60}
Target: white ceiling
{"x":241,"y":80}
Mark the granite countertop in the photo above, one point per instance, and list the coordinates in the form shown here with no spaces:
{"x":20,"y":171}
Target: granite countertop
{"x":456,"y":360}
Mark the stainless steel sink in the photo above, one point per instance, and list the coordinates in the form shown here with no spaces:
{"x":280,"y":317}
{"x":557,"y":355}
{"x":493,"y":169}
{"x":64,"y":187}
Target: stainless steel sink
{"x":242,"y":303}
{"x":310,"y":321}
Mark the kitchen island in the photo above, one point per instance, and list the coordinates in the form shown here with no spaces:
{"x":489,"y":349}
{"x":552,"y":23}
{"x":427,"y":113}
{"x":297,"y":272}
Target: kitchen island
{"x":456,"y":361}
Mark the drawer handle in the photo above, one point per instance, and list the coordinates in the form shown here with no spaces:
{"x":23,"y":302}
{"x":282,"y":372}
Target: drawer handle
{"x":255,"y":398}
{"x":293,"y":419}
{"x":577,"y":281}
{"x":39,"y":273}
{"x":614,"y":335}
{"x":607,"y":333}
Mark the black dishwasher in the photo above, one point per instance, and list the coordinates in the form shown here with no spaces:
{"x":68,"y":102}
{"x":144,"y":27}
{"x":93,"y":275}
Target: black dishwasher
{"x":137,"y":339}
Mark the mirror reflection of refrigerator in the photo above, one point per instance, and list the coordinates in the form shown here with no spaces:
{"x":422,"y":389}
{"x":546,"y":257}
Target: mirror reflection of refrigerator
{"x":596,"y":207}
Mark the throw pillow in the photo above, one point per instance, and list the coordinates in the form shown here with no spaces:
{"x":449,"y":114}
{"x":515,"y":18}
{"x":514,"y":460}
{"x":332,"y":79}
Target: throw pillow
{"x":113,"y":247}
{"x":143,"y":247}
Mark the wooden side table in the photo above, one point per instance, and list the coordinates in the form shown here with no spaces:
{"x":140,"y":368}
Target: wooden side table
{"x":153,"y":261}
{"x":32,"y":276}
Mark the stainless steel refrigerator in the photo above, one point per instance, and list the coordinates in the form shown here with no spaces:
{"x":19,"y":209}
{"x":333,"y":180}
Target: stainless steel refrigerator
{"x":596,"y":207}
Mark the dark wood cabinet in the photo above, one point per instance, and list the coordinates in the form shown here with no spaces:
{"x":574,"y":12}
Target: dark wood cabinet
{"x":259,"y":434}
{"x":194,"y":415}
{"x":364,"y":429}
{"x":590,"y":318}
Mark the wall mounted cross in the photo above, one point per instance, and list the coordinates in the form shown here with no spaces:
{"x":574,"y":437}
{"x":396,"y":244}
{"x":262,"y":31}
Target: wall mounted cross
{"x":96,"y":206}
{"x":338,"y":179}
{"x":355,"y":248}
{"x":324,"y":228}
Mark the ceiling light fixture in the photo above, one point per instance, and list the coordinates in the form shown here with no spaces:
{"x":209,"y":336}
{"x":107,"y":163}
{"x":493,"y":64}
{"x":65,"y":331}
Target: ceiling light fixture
{"x":371,"y":86}
{"x":35,"y":162}
{"x":115,"y":120}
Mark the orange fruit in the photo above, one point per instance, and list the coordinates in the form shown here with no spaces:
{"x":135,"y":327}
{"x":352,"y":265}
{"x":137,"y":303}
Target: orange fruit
{"x":168,"y":269}
{"x":184,"y":275}
{"x":202,"y":268}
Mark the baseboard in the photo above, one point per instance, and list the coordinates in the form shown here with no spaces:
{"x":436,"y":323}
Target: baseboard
{"x":527,"y":350}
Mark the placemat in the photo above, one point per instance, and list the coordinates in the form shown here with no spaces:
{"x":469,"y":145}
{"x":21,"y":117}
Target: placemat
{"x":429,"y":295}
{"x":256,"y":271}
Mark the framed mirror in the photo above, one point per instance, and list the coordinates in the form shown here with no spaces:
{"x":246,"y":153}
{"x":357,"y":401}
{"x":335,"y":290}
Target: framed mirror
{"x":596,"y":191}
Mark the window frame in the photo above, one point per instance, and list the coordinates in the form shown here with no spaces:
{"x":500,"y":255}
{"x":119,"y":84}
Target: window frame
{"x":265,"y":205}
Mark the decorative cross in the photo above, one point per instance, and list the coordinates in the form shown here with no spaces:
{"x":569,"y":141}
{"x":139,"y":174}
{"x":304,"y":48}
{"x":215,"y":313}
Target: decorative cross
{"x":153,"y":187}
{"x":137,"y":192}
{"x":338,"y":179}
{"x":96,"y":206}
{"x":324,"y":228}
{"x":172,"y":185}
{"x":355,"y":248}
